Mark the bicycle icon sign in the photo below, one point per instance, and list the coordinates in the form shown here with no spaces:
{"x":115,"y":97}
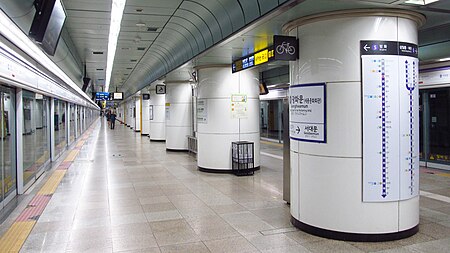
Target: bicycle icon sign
{"x":285,"y":48}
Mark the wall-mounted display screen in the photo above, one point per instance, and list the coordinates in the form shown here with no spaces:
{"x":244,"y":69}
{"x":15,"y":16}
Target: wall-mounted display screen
{"x":47,"y":24}
{"x":118,"y":95}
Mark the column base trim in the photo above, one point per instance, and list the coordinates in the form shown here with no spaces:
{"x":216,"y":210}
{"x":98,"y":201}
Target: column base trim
{"x":156,"y":140}
{"x":220,"y":171}
{"x":176,"y":150}
{"x":354,"y":237}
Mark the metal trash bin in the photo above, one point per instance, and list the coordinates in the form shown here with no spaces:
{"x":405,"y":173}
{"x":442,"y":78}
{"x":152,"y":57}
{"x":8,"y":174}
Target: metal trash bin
{"x":242,"y":155}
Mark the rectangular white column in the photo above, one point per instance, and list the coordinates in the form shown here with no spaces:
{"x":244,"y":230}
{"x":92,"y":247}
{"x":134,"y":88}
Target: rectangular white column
{"x":19,"y":140}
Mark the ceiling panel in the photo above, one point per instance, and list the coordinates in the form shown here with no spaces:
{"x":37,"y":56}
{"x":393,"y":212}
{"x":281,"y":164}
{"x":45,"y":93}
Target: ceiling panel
{"x":186,"y":28}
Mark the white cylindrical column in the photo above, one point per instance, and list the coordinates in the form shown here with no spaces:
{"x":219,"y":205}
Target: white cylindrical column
{"x":145,"y":117}
{"x":178,"y":114}
{"x":327,"y":179}
{"x":157,"y":116}
{"x":222,"y":120}
{"x":137,"y":119}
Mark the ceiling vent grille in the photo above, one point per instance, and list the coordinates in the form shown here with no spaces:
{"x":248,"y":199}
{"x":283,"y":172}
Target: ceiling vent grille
{"x":97,"y":52}
{"x":141,"y":48}
{"x":152,"y":29}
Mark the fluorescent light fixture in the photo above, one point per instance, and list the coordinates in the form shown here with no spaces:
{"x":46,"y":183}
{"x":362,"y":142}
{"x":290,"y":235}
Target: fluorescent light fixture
{"x":14,"y":34}
{"x":114,"y":30}
{"x":420,"y":2}
{"x":445,"y":59}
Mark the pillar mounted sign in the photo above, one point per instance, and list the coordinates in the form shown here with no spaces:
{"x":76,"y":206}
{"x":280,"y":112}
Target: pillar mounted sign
{"x":307,"y":112}
{"x":390,"y":96}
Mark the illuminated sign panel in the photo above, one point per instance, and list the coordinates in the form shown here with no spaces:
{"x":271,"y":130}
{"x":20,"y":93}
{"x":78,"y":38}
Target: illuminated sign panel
{"x":262,"y":57}
{"x":255,"y":59}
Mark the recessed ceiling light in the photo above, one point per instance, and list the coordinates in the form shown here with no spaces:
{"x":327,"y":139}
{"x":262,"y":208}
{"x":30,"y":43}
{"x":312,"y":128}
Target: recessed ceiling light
{"x":445,"y":59}
{"x":139,"y":10}
{"x":420,"y":2}
{"x":116,"y":18}
{"x":140,"y":24}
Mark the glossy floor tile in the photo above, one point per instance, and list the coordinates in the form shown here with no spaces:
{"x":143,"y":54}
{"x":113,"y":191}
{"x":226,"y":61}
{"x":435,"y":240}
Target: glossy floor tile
{"x":124,"y":193}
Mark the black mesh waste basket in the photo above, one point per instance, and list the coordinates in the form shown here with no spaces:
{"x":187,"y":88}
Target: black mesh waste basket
{"x":243,"y":162}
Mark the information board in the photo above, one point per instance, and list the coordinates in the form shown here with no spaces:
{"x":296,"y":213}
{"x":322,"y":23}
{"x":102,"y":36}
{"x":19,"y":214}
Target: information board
{"x":239,"y":106}
{"x":150,"y":112}
{"x":202,"y":111}
{"x":307,"y":112}
{"x":390,"y":120}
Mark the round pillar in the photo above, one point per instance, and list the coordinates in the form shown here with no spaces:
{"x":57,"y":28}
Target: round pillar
{"x":327,"y":179}
{"x":145,"y":116}
{"x":220,"y":122}
{"x":178,"y":113}
{"x":137,"y":118}
{"x":157,"y":116}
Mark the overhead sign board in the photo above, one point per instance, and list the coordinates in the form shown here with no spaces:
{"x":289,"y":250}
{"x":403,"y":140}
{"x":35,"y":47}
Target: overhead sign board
{"x":102,"y":96}
{"x":252,"y":60}
{"x":285,"y":48}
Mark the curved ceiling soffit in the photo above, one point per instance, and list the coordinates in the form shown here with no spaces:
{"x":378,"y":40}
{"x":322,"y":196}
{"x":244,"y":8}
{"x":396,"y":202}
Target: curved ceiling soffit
{"x":199,"y":23}
{"x":214,"y":20}
{"x":193,"y":48}
{"x":195,"y":31}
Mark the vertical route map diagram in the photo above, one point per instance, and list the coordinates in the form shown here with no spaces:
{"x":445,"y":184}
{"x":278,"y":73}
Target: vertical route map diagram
{"x":389,"y":80}
{"x":409,"y":120}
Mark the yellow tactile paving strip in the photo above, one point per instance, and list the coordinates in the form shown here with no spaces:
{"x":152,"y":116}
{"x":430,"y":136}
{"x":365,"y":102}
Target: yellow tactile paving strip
{"x":17,"y":234}
{"x":52,"y":183}
{"x":71,"y":156}
{"x":443,"y":174}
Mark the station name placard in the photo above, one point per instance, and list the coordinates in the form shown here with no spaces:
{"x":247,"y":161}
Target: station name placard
{"x":307,"y":112}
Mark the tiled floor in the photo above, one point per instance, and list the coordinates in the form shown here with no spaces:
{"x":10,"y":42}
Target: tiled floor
{"x":126,"y":194}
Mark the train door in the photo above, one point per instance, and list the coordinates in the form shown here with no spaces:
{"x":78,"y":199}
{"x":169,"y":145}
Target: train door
{"x":8,"y":180}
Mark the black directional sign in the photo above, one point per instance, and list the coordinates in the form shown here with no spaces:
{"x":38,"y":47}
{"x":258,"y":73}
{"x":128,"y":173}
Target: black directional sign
{"x":372,"y":47}
{"x":160,"y":89}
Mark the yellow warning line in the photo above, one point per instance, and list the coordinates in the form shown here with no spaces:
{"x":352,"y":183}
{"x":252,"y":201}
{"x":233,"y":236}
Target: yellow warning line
{"x":443,"y":174}
{"x":15,"y":237}
{"x":52,"y":183}
{"x":71,"y":156}
{"x":17,"y":234}
{"x":272,"y":143}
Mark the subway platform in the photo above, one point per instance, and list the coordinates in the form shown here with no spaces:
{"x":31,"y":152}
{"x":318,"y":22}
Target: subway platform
{"x":116,"y":191}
